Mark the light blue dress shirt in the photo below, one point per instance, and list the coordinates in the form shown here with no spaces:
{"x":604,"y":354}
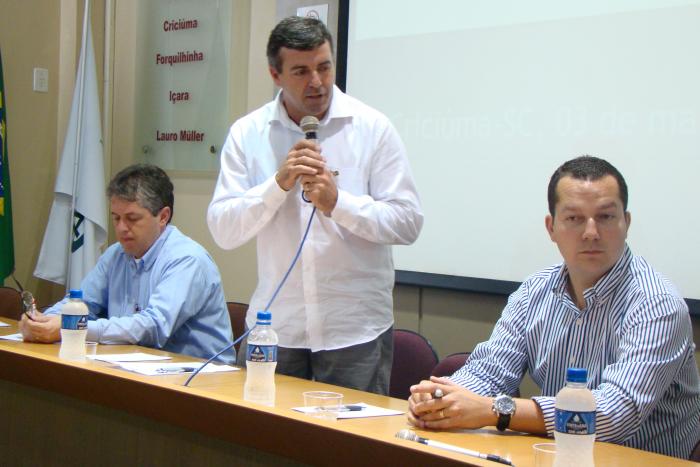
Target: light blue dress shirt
{"x":634,"y":336}
{"x":169,"y":299}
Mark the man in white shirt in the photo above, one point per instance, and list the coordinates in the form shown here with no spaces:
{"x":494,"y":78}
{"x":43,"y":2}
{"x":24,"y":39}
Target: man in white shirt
{"x":334,"y":315}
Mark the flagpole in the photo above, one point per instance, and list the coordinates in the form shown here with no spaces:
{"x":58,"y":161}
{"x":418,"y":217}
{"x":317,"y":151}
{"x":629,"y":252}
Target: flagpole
{"x":78,"y":143}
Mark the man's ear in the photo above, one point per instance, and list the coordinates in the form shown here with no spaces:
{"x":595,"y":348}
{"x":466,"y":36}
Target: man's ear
{"x":549,"y":225}
{"x":164,"y":216}
{"x":275,"y":75}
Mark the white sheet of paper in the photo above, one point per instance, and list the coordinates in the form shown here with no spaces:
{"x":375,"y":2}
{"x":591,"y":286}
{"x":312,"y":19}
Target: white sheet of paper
{"x":128,"y":357}
{"x":367,"y":411}
{"x":12,"y":337}
{"x":173,"y":368}
{"x":2,"y":325}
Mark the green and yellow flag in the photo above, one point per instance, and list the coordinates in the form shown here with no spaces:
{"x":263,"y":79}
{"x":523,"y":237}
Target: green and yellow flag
{"x":7,"y":249}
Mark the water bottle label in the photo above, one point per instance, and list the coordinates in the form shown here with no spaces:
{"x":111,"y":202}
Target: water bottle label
{"x":74,"y":322}
{"x":261,"y":353}
{"x":574,"y":423}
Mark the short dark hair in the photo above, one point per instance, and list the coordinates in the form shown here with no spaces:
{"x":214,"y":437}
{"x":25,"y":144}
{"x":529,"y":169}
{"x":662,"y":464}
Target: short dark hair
{"x":146,"y":184}
{"x":585,"y":168}
{"x":298,"y":33}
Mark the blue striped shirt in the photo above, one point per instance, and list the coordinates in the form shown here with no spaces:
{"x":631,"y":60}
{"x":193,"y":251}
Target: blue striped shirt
{"x":634,"y":336}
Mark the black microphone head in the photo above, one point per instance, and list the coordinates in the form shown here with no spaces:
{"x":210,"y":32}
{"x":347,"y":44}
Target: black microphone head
{"x":309,"y":124}
{"x":407,"y":435}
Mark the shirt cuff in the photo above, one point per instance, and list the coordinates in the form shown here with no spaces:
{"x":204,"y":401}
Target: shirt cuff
{"x":94,"y":331}
{"x":346,"y":209}
{"x":547,"y":407}
{"x":270,"y":192}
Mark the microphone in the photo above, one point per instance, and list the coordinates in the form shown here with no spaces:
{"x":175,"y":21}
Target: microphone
{"x":411,"y":436}
{"x":309,"y":125}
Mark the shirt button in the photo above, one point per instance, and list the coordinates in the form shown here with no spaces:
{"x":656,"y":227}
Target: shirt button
{"x":572,"y":360}
{"x":579,"y":321}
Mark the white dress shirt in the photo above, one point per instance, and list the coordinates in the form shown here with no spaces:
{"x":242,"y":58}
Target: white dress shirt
{"x":340,"y":292}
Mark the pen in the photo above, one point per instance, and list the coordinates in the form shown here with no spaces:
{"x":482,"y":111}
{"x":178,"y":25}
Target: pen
{"x":411,"y":436}
{"x":183,"y":369}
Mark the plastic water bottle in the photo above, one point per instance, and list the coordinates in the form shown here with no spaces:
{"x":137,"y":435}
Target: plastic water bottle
{"x":74,"y":314}
{"x":261,"y":361}
{"x":574,"y":430}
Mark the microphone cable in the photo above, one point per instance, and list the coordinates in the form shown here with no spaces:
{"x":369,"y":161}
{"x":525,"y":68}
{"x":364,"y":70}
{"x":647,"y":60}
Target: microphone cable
{"x":269,"y":304}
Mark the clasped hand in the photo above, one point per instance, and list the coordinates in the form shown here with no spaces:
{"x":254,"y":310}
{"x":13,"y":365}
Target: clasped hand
{"x":305,"y":164}
{"x":457,"y":408}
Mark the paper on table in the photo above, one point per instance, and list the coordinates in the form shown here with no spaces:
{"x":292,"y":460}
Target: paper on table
{"x":13,"y":337}
{"x":128,"y":357}
{"x":2,"y":324}
{"x":365,"y":410}
{"x":173,"y":368}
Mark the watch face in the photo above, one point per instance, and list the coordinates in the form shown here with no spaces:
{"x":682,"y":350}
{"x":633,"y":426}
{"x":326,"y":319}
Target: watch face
{"x":504,"y":404}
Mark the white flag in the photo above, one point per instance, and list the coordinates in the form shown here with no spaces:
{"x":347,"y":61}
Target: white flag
{"x":89,"y":225}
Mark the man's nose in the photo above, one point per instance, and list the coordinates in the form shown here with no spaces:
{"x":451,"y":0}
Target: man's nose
{"x":591,"y":230}
{"x":120,"y":225}
{"x":315,"y":79}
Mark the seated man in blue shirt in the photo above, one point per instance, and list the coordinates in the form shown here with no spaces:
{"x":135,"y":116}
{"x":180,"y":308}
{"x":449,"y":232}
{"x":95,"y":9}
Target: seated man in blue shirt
{"x":603,"y":309}
{"x":156,"y":287}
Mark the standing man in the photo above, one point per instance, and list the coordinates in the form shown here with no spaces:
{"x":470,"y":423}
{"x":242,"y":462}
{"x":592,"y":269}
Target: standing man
{"x":603,"y":309}
{"x":155,"y":287}
{"x":334,"y":316}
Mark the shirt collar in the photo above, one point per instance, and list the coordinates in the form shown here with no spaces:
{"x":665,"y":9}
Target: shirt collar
{"x":605,"y":285}
{"x":339,"y":108}
{"x":147,"y":260}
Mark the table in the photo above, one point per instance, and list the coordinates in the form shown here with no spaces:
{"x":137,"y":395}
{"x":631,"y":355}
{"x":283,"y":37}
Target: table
{"x":65,"y":413}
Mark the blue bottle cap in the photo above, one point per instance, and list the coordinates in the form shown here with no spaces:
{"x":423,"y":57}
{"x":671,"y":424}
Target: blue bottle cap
{"x":264,"y":317}
{"x":576,"y":375}
{"x":75,"y":293}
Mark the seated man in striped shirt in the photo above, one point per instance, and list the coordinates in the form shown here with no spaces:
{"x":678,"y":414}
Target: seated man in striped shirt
{"x":603,"y":309}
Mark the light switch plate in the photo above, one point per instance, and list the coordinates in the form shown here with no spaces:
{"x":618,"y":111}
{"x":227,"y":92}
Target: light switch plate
{"x":41,"y":80}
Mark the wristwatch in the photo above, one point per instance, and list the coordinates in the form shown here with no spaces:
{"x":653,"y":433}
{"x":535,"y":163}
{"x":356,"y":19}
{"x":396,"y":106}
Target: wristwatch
{"x":504,"y":407}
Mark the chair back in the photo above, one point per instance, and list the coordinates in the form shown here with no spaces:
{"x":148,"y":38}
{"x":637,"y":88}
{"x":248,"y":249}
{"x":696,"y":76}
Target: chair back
{"x":414,"y":358}
{"x":10,"y":303}
{"x":450,"y":364}
{"x":695,"y":455}
{"x":237,"y":312}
